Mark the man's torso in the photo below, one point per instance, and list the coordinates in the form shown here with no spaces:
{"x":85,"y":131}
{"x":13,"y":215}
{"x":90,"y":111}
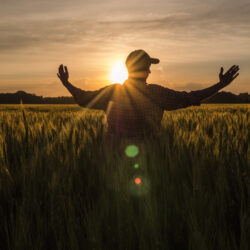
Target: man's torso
{"x":133,"y":111}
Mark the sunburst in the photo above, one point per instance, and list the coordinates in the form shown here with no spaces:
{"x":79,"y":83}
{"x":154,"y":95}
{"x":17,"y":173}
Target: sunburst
{"x":118,"y":72}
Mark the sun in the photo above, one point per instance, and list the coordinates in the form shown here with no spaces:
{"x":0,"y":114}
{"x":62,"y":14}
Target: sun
{"x":118,"y":73}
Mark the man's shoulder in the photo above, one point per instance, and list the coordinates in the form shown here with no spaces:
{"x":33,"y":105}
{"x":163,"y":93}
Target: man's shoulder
{"x":157,"y":88}
{"x":163,"y":89}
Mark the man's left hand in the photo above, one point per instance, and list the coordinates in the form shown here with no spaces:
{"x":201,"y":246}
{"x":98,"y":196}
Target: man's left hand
{"x":229,"y":76}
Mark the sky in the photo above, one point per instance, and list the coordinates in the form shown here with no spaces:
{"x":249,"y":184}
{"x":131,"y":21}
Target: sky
{"x":192,"y":39}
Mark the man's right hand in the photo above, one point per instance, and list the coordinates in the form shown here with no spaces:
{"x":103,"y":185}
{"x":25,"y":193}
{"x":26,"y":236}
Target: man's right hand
{"x":63,"y":74}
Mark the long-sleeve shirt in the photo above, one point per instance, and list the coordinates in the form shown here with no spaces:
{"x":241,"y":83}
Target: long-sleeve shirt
{"x":135,"y":109}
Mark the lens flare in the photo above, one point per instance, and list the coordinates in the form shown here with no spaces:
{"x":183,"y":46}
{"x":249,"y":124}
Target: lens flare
{"x":136,"y":165}
{"x":132,"y":151}
{"x":137,"y":181}
{"x":139,"y":185}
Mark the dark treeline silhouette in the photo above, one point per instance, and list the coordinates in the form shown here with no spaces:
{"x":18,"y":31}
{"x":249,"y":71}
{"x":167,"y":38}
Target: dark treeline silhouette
{"x":228,"y":97}
{"x":26,"y":98}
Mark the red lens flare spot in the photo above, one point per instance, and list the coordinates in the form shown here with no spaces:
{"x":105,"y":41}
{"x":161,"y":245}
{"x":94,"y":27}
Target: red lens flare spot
{"x":138,"y":181}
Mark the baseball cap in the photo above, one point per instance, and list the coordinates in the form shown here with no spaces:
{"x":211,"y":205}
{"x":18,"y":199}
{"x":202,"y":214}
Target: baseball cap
{"x":139,"y":59}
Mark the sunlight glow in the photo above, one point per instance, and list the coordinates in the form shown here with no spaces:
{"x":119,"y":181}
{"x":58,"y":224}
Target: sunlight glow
{"x":119,"y":72}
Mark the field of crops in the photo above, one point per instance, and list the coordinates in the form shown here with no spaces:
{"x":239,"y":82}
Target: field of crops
{"x":64,"y":185}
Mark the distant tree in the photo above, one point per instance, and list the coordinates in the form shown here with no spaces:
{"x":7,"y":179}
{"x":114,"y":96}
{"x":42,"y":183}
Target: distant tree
{"x":228,"y":97}
{"x":26,"y":98}
{"x":244,"y":98}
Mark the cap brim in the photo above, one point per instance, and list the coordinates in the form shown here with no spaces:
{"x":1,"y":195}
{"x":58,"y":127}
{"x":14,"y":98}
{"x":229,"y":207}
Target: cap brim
{"x":154,"y":60}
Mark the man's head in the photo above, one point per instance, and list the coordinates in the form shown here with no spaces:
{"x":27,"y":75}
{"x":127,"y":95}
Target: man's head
{"x":138,"y":64}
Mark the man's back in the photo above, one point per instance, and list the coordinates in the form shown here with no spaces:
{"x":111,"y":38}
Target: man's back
{"x":133,"y":110}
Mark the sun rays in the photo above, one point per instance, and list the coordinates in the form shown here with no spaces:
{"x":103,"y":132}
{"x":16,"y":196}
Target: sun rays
{"x":118,"y":73}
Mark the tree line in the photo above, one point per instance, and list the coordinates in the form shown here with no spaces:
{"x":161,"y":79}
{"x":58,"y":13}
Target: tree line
{"x":27,"y":98}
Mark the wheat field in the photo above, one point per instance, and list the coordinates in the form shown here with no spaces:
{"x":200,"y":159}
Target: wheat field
{"x":64,"y":185}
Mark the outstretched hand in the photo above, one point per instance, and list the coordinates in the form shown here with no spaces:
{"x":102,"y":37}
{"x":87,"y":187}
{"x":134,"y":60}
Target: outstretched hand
{"x":229,"y":76}
{"x":63,"y":74}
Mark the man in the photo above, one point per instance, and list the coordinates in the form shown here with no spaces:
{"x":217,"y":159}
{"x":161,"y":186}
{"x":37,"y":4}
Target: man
{"x":136,"y":108}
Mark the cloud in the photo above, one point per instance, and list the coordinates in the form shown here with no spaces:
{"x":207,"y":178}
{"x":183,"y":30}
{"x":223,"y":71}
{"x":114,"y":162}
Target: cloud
{"x":37,"y":33}
{"x":221,"y":22}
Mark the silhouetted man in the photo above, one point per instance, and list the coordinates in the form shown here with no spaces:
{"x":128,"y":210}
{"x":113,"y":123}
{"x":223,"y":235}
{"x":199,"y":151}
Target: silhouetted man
{"x":136,"y":108}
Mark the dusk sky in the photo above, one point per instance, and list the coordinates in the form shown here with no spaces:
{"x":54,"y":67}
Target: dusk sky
{"x":192,"y":39}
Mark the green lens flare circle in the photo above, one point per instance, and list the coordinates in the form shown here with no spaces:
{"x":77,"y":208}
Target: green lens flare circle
{"x":136,"y":165}
{"x":132,"y":151}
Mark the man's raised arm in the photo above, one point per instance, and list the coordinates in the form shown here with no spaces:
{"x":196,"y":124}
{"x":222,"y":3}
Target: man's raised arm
{"x":225,"y":79}
{"x":98,"y":99}
{"x":169,"y":99}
